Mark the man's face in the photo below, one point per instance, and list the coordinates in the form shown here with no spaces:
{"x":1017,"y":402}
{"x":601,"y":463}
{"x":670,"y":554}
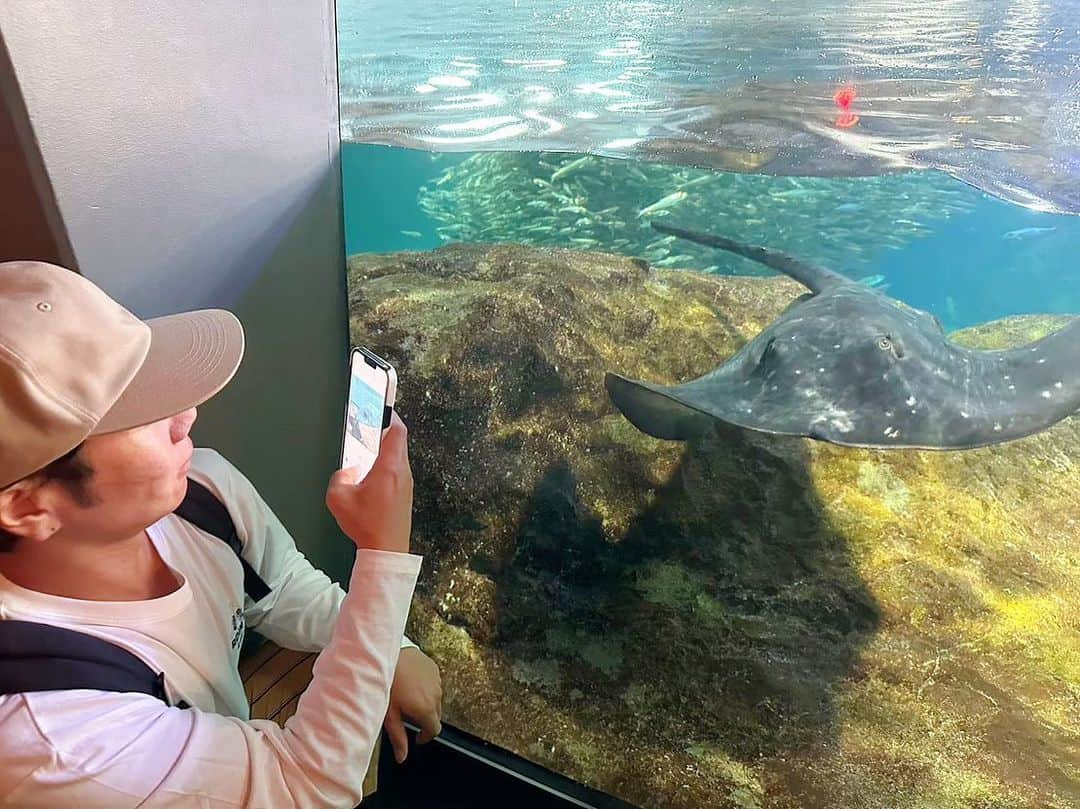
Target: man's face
{"x":140,"y":475}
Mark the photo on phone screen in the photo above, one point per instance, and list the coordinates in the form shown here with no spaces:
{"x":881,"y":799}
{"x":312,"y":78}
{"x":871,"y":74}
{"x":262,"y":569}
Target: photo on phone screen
{"x":368,"y":384}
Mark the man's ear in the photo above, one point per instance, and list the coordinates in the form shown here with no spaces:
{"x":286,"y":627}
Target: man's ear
{"x":25,"y":511}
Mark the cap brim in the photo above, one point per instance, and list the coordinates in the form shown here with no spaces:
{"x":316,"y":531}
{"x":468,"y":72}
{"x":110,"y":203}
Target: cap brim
{"x":192,"y":356}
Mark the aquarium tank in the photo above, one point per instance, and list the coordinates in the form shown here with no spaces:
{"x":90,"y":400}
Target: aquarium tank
{"x":737,"y":348}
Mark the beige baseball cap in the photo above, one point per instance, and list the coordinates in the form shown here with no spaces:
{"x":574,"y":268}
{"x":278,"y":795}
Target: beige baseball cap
{"x":75,"y":363}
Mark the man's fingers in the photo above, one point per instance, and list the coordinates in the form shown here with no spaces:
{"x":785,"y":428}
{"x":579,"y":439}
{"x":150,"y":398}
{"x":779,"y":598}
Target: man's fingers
{"x":396,"y":437}
{"x":399,"y":739}
{"x":430,"y":727}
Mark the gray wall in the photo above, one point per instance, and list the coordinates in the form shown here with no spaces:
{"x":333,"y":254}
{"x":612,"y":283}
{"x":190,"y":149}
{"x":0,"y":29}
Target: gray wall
{"x":192,"y":146}
{"x":30,"y":223}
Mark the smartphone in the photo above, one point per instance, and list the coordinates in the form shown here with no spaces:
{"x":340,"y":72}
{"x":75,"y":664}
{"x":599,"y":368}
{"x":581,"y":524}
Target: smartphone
{"x":372,"y":388}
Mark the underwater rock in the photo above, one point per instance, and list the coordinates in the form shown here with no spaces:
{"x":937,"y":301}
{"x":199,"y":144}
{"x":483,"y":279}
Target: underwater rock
{"x":741,"y":620}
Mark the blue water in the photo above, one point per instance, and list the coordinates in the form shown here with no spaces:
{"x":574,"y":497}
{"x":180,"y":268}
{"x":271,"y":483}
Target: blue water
{"x":968,"y":273}
{"x":995,"y":259}
{"x":380,"y":188}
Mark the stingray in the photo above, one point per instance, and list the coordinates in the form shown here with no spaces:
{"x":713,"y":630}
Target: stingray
{"x":847,"y":364}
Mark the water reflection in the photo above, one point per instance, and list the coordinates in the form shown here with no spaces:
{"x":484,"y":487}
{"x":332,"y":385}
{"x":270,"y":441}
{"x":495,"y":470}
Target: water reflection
{"x":986,"y":90}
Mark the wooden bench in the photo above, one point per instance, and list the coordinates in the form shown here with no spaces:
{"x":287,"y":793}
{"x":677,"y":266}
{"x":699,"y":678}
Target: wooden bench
{"x":274,"y":678}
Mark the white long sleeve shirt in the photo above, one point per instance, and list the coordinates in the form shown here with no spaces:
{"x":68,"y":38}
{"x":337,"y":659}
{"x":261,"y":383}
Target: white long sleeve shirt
{"x":91,"y":749}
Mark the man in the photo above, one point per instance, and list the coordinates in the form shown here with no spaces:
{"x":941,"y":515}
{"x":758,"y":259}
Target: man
{"x":95,"y":412}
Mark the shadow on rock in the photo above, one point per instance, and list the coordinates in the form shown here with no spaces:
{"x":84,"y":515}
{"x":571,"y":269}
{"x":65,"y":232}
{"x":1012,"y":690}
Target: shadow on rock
{"x":723,"y":618}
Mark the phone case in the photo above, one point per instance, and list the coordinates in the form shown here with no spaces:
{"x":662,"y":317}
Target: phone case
{"x":391,"y":394}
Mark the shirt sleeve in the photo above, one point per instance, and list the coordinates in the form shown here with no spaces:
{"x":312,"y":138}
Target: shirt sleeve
{"x":99,"y":750}
{"x":304,"y":602}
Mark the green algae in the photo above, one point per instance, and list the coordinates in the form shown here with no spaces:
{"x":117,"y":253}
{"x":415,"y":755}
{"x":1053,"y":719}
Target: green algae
{"x":603,"y":653}
{"x":880,"y":481}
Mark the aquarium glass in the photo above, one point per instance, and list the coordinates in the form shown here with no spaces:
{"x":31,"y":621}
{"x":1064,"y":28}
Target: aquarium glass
{"x":841,"y":570}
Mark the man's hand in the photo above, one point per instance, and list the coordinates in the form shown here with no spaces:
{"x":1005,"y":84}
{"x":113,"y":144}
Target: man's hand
{"x":376,"y":513}
{"x":416,"y":695}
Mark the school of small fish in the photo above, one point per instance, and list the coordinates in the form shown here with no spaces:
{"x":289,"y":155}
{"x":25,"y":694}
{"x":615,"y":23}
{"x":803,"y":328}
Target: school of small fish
{"x":603,"y":204}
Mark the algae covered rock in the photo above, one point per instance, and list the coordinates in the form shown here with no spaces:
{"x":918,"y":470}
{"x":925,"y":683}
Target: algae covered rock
{"x":747,"y":620}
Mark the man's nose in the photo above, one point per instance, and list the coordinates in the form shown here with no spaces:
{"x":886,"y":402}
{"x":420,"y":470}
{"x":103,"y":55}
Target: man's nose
{"x":181,"y":424}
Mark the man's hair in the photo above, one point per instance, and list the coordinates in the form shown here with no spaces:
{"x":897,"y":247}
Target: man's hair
{"x":72,"y":472}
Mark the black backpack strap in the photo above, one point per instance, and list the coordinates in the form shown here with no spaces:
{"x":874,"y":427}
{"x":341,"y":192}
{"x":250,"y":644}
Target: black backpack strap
{"x":203,"y":509}
{"x":40,"y":657}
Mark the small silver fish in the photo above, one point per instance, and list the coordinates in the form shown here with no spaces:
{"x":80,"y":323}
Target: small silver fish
{"x":572,"y":166}
{"x":698,"y":181}
{"x":1025,"y":233}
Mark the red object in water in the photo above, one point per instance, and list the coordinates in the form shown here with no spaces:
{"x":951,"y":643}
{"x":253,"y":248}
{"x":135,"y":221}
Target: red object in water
{"x":843,"y":98}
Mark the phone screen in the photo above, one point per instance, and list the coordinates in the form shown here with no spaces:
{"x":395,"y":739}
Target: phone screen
{"x":363,"y":414}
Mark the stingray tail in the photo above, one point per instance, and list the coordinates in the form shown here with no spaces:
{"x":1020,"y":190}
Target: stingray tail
{"x":813,"y":278}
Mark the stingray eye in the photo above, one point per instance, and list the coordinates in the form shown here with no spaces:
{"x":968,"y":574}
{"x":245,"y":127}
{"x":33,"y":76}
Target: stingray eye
{"x":884,"y":342}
